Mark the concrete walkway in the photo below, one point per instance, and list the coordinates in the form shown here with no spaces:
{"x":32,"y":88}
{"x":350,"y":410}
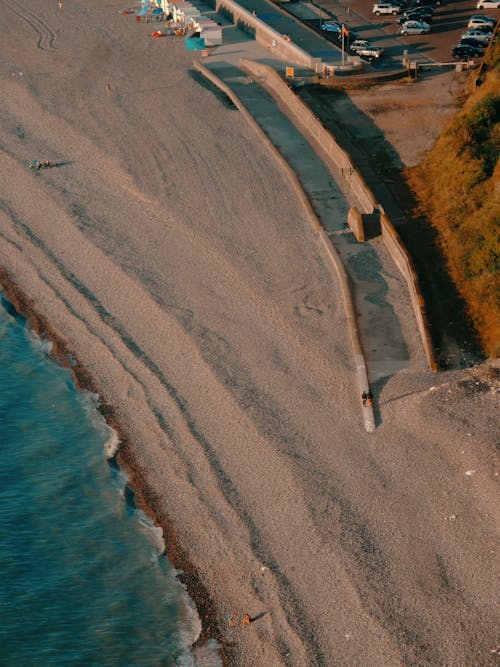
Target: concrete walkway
{"x":381,"y":336}
{"x":380,"y":332}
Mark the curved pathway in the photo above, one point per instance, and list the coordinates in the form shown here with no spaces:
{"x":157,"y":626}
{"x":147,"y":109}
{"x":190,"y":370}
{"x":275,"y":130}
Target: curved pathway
{"x":382,"y":340}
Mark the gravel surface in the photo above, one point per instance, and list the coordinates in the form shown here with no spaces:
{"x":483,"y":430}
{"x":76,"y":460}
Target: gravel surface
{"x":172,"y":257}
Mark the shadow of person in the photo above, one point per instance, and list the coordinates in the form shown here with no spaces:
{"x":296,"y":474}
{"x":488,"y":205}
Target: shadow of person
{"x":259,"y":616}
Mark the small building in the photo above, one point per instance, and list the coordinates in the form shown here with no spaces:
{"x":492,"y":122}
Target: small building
{"x":212,"y":35}
{"x":184,"y":12}
{"x":210,"y":31}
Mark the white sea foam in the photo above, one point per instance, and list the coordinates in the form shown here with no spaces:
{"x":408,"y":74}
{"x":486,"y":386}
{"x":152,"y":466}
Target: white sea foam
{"x":91,"y":404}
{"x":43,"y":344}
{"x":155,"y":533}
{"x":112,"y":444}
{"x":208,"y":655}
{"x":205,"y":655}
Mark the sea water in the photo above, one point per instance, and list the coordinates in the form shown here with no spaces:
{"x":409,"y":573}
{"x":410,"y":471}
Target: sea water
{"x":82,"y":576}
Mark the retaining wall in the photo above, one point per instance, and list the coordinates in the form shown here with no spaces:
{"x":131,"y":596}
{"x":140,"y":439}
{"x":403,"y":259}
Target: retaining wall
{"x":267,"y":36}
{"x":355,"y":222}
{"x":404,"y":263}
{"x":359,"y":359}
{"x":313,"y":128}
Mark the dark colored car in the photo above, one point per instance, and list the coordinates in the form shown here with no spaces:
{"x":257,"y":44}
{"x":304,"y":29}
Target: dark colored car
{"x":465,"y":51}
{"x":416,"y":15}
{"x":470,"y":41}
{"x":486,"y":28}
{"x":426,"y":3}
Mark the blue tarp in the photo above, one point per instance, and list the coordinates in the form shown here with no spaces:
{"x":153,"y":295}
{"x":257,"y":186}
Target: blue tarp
{"x":194,"y":43}
{"x":144,"y":10}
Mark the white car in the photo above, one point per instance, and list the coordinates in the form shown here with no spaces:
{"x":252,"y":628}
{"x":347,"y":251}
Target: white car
{"x":488,"y":4}
{"x":481,"y":19}
{"x":414,"y":28}
{"x":386,"y":8}
{"x":482,"y":37}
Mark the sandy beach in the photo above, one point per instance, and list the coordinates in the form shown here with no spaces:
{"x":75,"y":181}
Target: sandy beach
{"x":172,"y":257}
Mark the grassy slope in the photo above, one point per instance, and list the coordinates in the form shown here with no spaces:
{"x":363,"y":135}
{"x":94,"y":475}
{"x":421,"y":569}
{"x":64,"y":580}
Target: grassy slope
{"x":458,"y":189}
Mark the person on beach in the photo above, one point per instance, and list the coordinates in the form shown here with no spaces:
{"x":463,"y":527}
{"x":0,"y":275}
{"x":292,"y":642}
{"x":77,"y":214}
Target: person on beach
{"x":231,"y":620}
{"x":367,"y":398}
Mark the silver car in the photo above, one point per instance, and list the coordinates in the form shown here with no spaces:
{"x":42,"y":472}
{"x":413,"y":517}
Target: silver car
{"x":362,"y":48}
{"x":482,"y":37}
{"x":414,"y":28}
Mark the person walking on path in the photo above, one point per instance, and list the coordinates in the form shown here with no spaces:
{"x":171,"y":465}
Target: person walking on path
{"x":231,"y":620}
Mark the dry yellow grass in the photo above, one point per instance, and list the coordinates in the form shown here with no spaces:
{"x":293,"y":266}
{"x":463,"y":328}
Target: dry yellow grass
{"x":458,"y":189}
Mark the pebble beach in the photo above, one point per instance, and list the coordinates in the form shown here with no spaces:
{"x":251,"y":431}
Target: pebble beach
{"x":169,"y":254}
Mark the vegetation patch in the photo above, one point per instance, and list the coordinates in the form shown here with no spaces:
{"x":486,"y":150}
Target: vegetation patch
{"x":458,"y":190}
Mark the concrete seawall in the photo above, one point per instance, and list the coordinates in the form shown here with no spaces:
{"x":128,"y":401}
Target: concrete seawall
{"x":312,"y":127}
{"x":359,"y":359}
{"x":404,"y":263}
{"x":336,"y":156}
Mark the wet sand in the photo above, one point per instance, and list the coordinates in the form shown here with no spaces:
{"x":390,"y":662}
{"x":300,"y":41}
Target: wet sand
{"x":172,"y":258}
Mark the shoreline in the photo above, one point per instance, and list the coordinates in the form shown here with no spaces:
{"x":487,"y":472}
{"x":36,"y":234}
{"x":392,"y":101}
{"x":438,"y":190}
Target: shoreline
{"x":145,"y":498}
{"x":172,"y":259}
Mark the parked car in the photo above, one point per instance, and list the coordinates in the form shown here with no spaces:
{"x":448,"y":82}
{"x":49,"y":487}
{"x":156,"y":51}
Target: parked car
{"x":472,"y":41}
{"x":477,"y":34}
{"x":481,"y":19}
{"x":427,"y":3}
{"x":331,"y":26}
{"x":485,"y":28}
{"x":414,"y":28}
{"x":465,"y":52}
{"x":386,"y":8}
{"x":363,"y":48}
{"x":416,"y":15}
{"x":428,"y":11}
{"x":488,"y":4}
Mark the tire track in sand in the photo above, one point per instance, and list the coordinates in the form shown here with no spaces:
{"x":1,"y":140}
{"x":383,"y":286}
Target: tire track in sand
{"x":46,"y":37}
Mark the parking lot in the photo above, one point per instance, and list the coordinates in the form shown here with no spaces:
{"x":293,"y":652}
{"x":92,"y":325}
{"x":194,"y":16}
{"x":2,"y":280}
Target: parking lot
{"x":449,"y":22}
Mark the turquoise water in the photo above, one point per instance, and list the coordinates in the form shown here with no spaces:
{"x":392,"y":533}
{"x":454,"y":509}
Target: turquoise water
{"x":82,"y":578}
